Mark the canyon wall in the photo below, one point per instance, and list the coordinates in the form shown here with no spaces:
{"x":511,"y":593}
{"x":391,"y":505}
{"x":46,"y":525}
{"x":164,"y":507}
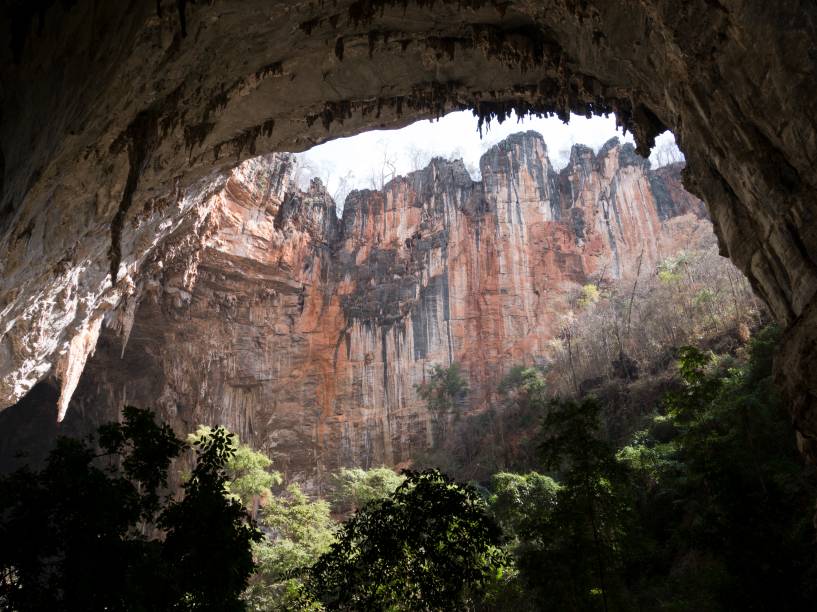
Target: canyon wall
{"x":113,"y":114}
{"x":307,"y":334}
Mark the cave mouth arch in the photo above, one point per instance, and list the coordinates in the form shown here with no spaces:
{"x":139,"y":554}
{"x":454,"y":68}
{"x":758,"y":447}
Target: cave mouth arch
{"x":410,"y":267}
{"x":111,"y":112}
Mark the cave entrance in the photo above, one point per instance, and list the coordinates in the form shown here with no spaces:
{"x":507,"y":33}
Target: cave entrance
{"x":228,"y":294}
{"x":140,"y":111}
{"x":323,"y":289}
{"x":442,"y":265}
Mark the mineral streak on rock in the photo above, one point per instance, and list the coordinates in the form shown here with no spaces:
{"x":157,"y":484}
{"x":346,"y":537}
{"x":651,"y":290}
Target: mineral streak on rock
{"x":306,"y":334}
{"x":112,"y":111}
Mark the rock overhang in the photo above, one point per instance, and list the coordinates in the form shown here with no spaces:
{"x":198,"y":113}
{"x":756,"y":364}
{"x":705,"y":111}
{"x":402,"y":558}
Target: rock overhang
{"x":112,"y":112}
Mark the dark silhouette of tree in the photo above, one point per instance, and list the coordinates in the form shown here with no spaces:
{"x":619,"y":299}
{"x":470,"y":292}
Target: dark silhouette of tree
{"x":573,"y":557}
{"x":209,"y":534}
{"x":430,"y":546}
{"x":75,"y":534}
{"x":724,"y":490}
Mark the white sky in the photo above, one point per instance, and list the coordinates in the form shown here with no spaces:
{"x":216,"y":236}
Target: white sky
{"x":358,"y":162}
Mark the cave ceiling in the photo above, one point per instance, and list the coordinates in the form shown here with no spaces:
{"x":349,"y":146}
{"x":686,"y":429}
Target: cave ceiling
{"x":114,"y":113}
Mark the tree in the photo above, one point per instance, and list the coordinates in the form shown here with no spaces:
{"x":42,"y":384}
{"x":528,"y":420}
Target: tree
{"x":385,"y":168}
{"x":501,"y":438}
{"x":567,"y":331}
{"x":666,"y":152}
{"x":345,"y":184}
{"x":430,"y":546}
{"x":523,"y":384}
{"x":725,"y":485}
{"x":523,"y":505}
{"x":300,"y":531}
{"x":581,"y":543}
{"x":589,"y":296}
{"x":418,"y":158}
{"x":519,"y":502}
{"x":248,"y":473}
{"x":355,"y":487}
{"x":74,"y":533}
{"x":209,"y":535}
{"x":444,"y":389}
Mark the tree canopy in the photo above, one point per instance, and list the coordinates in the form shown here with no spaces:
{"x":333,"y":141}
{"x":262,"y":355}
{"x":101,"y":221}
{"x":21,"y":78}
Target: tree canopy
{"x":705,"y":506}
{"x":249,"y":477}
{"x":299,"y":531}
{"x":356,"y":487}
{"x":431,"y":545}
{"x":76,"y":534}
{"x":442,"y":391}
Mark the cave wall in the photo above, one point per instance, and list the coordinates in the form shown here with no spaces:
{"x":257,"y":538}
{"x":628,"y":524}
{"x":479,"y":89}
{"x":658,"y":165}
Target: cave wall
{"x":114,"y":115}
{"x":307,"y":334}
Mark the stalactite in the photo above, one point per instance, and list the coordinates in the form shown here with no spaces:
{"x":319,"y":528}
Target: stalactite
{"x":71,"y":365}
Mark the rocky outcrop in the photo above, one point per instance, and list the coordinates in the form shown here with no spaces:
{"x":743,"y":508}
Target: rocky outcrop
{"x":112,"y":111}
{"x":307,"y":334}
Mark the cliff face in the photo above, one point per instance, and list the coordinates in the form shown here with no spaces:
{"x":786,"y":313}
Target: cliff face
{"x":112,"y":113}
{"x":307,"y":334}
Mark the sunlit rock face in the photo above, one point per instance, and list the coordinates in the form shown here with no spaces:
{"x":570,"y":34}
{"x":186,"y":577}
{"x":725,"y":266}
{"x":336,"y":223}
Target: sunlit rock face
{"x":307,"y":334}
{"x":114,"y":112}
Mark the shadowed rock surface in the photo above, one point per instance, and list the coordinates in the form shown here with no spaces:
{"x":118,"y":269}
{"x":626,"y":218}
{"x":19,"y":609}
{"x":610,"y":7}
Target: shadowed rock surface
{"x":114,"y":114}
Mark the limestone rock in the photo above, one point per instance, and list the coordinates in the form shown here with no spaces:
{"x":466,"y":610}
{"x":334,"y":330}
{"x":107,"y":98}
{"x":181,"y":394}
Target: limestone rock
{"x":307,"y":334}
{"x":112,"y":112}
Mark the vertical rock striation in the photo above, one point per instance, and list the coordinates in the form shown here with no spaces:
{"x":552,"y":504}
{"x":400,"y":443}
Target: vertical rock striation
{"x":307,"y":334}
{"x":112,"y":111}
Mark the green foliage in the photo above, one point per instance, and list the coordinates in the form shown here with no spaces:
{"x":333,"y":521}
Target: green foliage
{"x":670,"y":270}
{"x":73,"y":534}
{"x":300,"y":532}
{"x":707,"y":507}
{"x":698,"y":390}
{"x":249,"y":477}
{"x":665,"y":276}
{"x":589,"y":296}
{"x":523,"y":506}
{"x":442,"y":392}
{"x":355,"y":487}
{"x":431,"y":546}
{"x":725,"y":497}
{"x":523,"y":384}
{"x":647,"y":456}
{"x":704,"y":296}
{"x":581,"y":542}
{"x":520,"y":502}
{"x":208,"y":534}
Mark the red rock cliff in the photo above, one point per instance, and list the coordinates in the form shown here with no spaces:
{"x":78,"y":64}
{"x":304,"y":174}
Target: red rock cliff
{"x":307,"y":334}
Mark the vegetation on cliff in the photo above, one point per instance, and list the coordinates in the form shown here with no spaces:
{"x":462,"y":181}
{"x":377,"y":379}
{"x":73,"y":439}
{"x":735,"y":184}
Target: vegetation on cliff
{"x":706,"y":508}
{"x":670,"y":480}
{"x":618,"y":341}
{"x":649,"y":464}
{"x":704,"y":505}
{"x":443,"y":390}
